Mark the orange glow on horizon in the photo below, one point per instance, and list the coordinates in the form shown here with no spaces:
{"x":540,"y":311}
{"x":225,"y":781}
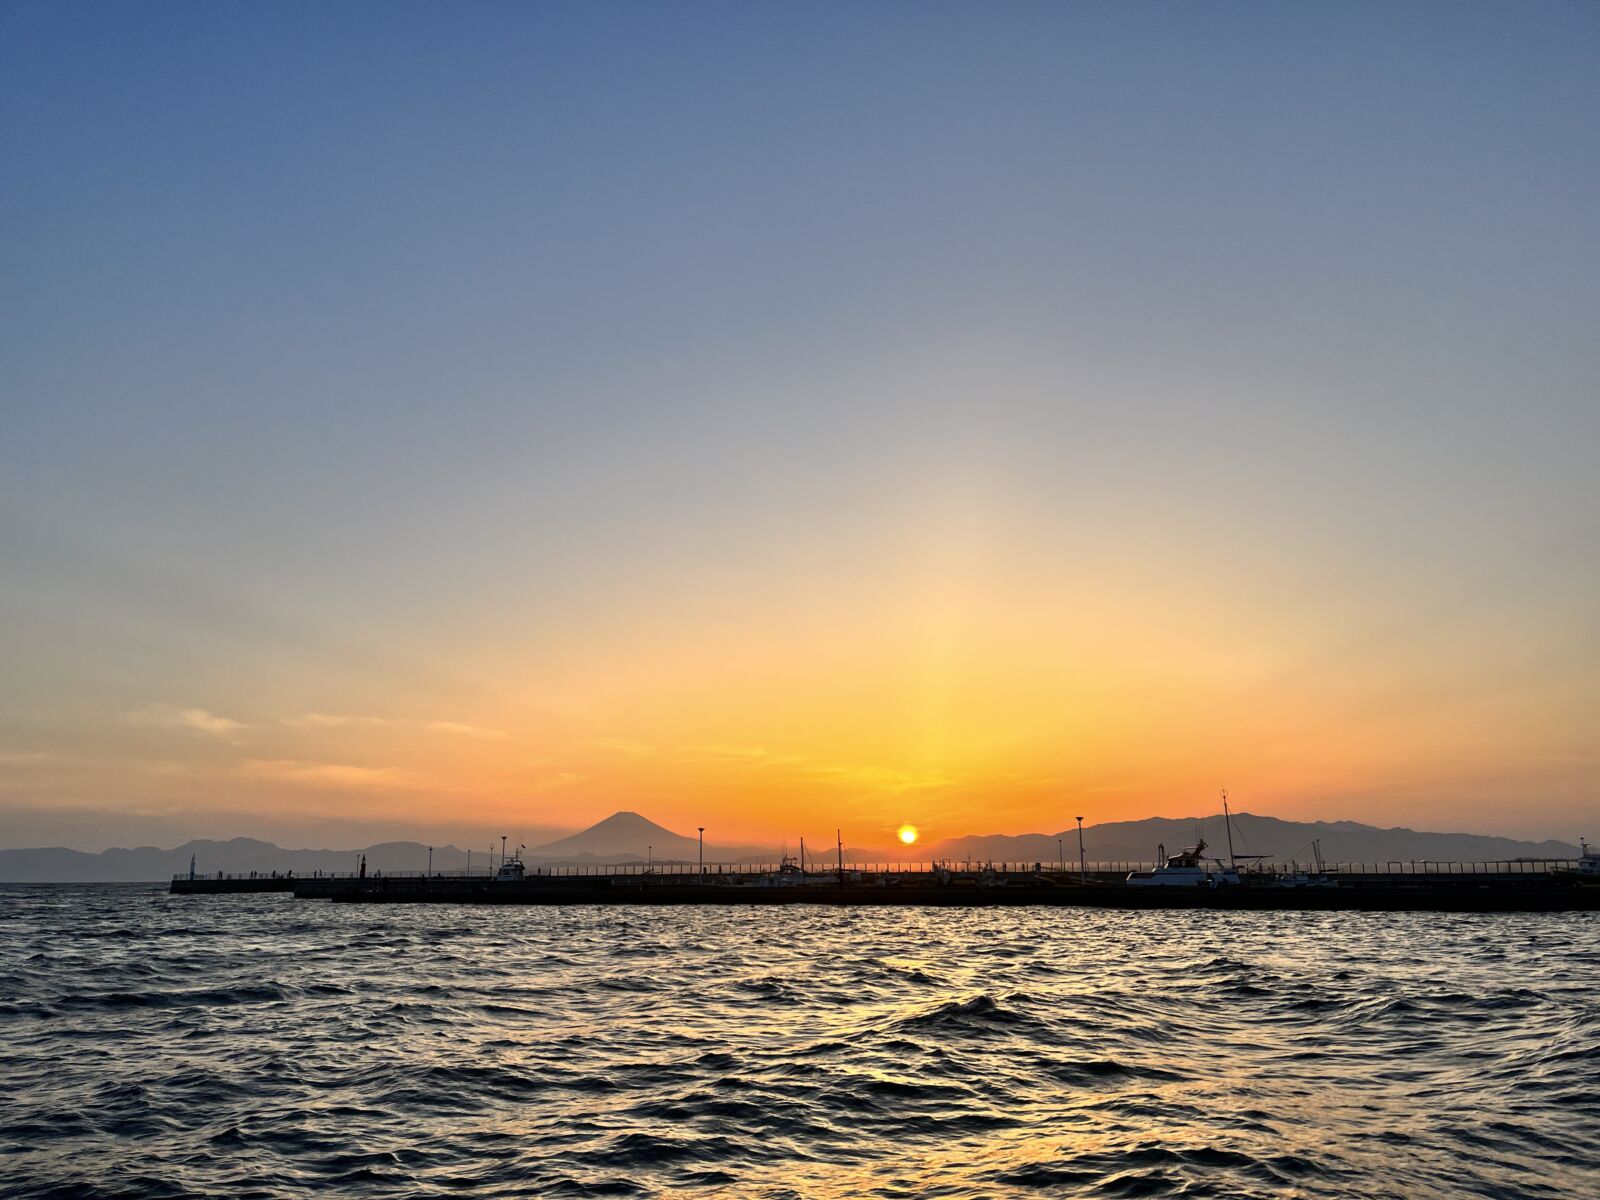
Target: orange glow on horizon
{"x":985,"y":698}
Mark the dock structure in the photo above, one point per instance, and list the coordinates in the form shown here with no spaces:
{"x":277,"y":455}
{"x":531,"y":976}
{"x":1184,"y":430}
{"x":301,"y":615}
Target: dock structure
{"x":1542,"y":886}
{"x":221,"y":884}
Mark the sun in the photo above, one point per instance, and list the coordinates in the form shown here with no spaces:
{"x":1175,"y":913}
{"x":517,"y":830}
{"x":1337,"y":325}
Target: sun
{"x":908,"y":834}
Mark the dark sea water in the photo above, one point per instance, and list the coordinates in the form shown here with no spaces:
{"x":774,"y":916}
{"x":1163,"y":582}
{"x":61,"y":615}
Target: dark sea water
{"x":255,"y":1046}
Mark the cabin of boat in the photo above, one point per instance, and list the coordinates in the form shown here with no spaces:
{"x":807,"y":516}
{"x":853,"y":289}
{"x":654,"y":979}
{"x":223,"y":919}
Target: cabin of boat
{"x":1183,"y":869}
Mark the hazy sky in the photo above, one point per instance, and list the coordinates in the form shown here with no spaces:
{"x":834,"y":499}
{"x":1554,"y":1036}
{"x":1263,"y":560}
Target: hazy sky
{"x":427,"y":419}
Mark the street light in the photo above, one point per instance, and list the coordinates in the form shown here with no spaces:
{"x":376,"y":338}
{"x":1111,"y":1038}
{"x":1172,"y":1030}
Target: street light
{"x":1083,"y":867}
{"x":702,"y":849}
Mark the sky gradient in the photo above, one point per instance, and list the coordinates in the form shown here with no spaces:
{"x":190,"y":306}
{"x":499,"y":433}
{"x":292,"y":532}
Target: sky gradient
{"x":423,"y":420}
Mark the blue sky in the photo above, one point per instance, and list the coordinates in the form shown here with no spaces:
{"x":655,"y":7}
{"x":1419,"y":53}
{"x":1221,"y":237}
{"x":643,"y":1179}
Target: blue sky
{"x":539,"y":368}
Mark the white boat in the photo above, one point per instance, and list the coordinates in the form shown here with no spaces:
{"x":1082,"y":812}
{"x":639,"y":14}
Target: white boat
{"x":511,"y":869}
{"x":1184,"y":869}
{"x":1589,"y":860}
{"x":1188,"y":869}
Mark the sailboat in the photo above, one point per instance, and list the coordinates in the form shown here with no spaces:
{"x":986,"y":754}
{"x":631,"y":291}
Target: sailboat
{"x":1319,"y":878}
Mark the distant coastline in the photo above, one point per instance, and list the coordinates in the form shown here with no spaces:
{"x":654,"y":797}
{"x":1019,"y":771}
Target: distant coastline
{"x":629,"y":837}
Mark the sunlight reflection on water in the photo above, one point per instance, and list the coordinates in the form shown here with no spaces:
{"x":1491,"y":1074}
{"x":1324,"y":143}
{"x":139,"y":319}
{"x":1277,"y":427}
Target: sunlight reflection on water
{"x":255,"y":1046}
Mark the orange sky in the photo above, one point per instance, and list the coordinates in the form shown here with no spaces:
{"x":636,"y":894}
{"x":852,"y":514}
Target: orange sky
{"x":978,"y":694}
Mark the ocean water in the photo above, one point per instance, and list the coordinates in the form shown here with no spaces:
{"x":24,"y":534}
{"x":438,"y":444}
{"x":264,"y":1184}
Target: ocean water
{"x":254,"y":1046}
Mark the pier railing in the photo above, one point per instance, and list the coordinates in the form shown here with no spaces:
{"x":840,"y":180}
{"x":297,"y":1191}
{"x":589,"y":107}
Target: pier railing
{"x":688,"y":872}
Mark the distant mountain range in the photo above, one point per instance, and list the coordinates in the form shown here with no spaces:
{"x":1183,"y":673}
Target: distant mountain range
{"x":1281,"y":841}
{"x":57,"y":864}
{"x":629,"y":837}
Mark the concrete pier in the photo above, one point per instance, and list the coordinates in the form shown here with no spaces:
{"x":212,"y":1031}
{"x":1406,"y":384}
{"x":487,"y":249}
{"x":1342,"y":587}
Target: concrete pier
{"x":1441,"y":887}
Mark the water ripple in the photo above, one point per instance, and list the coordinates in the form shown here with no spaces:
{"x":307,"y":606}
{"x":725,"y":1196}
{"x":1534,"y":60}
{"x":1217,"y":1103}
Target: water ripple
{"x":255,"y":1047}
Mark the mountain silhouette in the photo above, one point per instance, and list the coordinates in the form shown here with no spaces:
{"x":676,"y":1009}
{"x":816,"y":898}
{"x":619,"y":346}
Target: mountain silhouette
{"x":1280,"y":840}
{"x":622,"y":835}
{"x":629,"y":836}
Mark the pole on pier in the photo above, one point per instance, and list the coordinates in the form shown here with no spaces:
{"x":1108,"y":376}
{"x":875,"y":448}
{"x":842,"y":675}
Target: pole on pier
{"x":839,"y":838}
{"x":1083,"y":866}
{"x":430,"y":862}
{"x":1227,"y":819}
{"x":702,"y":849}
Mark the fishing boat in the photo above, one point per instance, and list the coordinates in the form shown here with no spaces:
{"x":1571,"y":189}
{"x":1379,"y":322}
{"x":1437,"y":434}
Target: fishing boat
{"x":1588,"y":860}
{"x":789,"y":872}
{"x":1187,"y":868}
{"x":511,"y":868}
{"x":1183,"y":869}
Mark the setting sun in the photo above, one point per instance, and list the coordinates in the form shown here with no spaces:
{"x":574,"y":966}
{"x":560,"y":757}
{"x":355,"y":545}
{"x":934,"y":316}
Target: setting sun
{"x":908,"y":834}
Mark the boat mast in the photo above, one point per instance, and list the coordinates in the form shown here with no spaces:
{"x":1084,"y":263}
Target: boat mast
{"x":1227,"y":818}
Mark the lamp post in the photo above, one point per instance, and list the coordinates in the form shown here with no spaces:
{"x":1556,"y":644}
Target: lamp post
{"x":1061,"y":856}
{"x":702,"y":849}
{"x":1083,"y":866}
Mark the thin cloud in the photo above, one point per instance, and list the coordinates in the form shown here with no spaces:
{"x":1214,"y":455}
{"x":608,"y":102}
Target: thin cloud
{"x":460,"y":730}
{"x":22,"y":758}
{"x":329,"y":775}
{"x":171,"y":716}
{"x":316,"y":720}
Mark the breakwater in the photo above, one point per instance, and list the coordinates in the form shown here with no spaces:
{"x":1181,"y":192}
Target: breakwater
{"x":1453,"y":887}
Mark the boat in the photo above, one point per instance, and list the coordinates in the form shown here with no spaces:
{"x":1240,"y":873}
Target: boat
{"x":790,"y":873}
{"x":1313,"y":879}
{"x":511,"y":868}
{"x":1183,"y":869}
{"x":1187,"y":868}
{"x":1589,"y":861}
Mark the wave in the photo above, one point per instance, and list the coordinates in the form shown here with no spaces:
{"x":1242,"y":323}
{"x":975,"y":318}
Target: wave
{"x":154,"y":1048}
